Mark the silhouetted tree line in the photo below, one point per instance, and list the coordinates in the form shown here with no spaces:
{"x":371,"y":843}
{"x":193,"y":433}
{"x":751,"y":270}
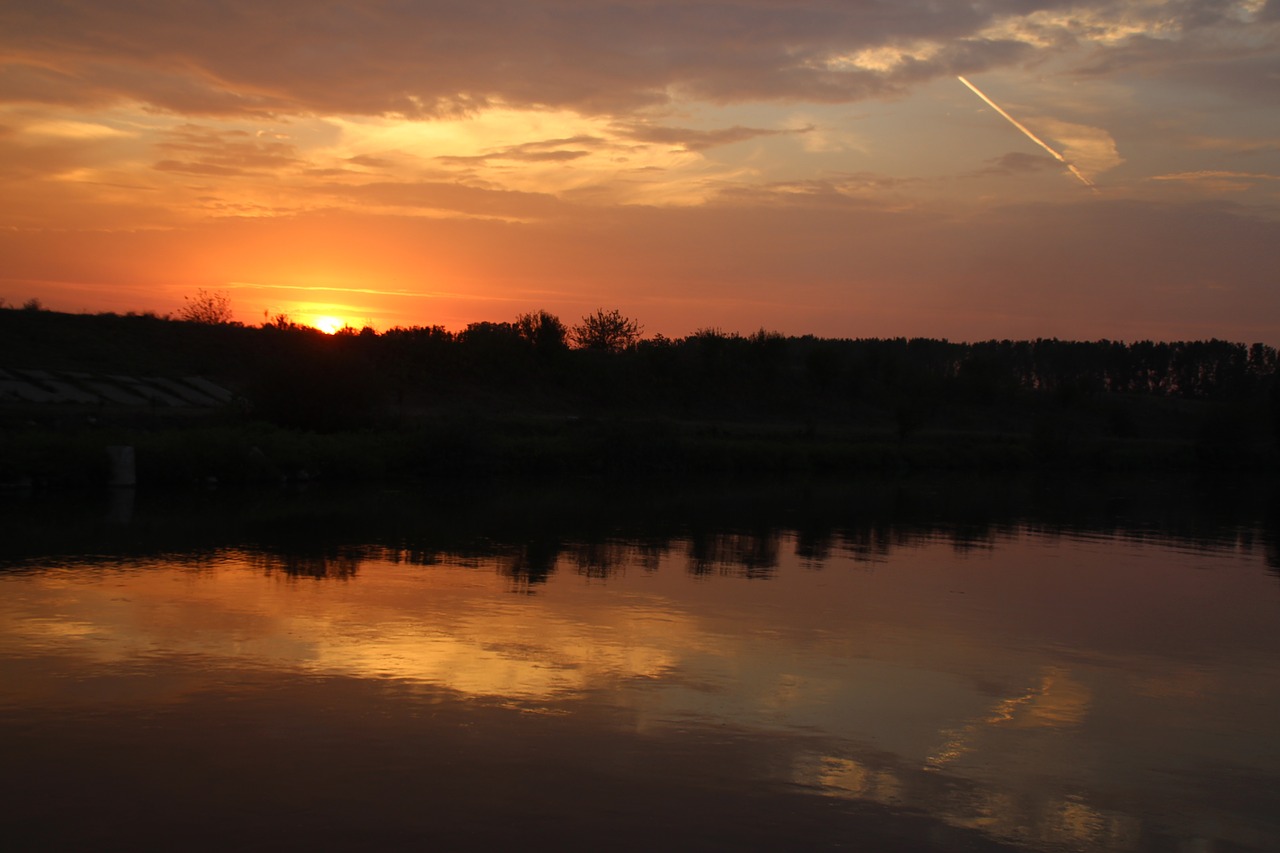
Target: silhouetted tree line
{"x":299,"y":377}
{"x":766,"y":375}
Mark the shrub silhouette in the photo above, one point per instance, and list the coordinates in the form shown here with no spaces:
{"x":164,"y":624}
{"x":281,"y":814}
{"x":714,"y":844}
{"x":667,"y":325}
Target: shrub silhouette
{"x":211,"y":307}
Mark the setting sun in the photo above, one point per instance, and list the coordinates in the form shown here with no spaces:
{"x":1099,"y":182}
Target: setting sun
{"x":328,"y":325}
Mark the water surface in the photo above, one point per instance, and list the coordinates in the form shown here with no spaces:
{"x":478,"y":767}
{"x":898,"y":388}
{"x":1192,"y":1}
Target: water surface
{"x":900,"y":671}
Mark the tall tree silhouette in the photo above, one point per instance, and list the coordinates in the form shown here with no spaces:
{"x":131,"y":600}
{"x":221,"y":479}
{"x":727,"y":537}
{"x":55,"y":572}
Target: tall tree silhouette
{"x":543,"y":331}
{"x":606,"y":330}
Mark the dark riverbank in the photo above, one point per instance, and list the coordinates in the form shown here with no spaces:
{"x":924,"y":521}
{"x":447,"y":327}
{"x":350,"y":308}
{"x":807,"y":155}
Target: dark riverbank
{"x":552,"y":449}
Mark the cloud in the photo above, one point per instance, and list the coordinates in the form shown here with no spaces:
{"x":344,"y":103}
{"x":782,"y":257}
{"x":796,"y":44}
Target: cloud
{"x":1018,"y":162}
{"x":1090,"y":149}
{"x":437,"y":58}
{"x":370,"y":162}
{"x":52,"y":151}
{"x":1219,"y":181}
{"x":223,"y":152}
{"x":542,"y":151}
{"x":189,"y":168}
{"x":861,"y":190}
{"x":441,"y":197}
{"x":1215,"y":45}
{"x":697,"y":140}
{"x":74,"y":129}
{"x":1216,"y":174}
{"x":1233,"y":145}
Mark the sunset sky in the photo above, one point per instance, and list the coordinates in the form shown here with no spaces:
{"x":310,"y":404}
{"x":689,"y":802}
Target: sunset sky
{"x":806,"y":166}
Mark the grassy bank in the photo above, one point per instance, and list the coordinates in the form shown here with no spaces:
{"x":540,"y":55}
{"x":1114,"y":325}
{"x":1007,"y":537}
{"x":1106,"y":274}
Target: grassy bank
{"x":545,"y":447}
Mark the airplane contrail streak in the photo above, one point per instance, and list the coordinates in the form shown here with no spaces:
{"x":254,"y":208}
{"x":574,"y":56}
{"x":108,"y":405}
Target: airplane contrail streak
{"x":1037,"y":140}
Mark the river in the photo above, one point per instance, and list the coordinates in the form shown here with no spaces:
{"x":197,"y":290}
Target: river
{"x":881,"y":667}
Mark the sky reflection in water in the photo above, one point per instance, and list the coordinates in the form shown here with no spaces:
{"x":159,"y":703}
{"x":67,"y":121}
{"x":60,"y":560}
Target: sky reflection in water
{"x":1051,"y":691}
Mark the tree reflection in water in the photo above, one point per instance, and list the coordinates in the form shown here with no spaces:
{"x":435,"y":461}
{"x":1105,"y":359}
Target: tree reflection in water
{"x":734,"y":530}
{"x":339,"y":565}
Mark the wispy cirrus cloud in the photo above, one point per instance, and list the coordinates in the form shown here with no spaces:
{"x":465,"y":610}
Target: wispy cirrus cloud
{"x":1219,"y":181}
{"x":540,"y":151}
{"x":691,"y":139}
{"x":196,"y":150}
{"x":1216,"y":173}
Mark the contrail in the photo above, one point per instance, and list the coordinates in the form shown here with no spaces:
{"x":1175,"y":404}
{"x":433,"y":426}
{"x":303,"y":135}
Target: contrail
{"x":1037,"y":140}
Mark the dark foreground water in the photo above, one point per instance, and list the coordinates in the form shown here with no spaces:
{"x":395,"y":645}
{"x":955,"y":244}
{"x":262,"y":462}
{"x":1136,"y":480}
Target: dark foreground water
{"x":886,"y":667}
